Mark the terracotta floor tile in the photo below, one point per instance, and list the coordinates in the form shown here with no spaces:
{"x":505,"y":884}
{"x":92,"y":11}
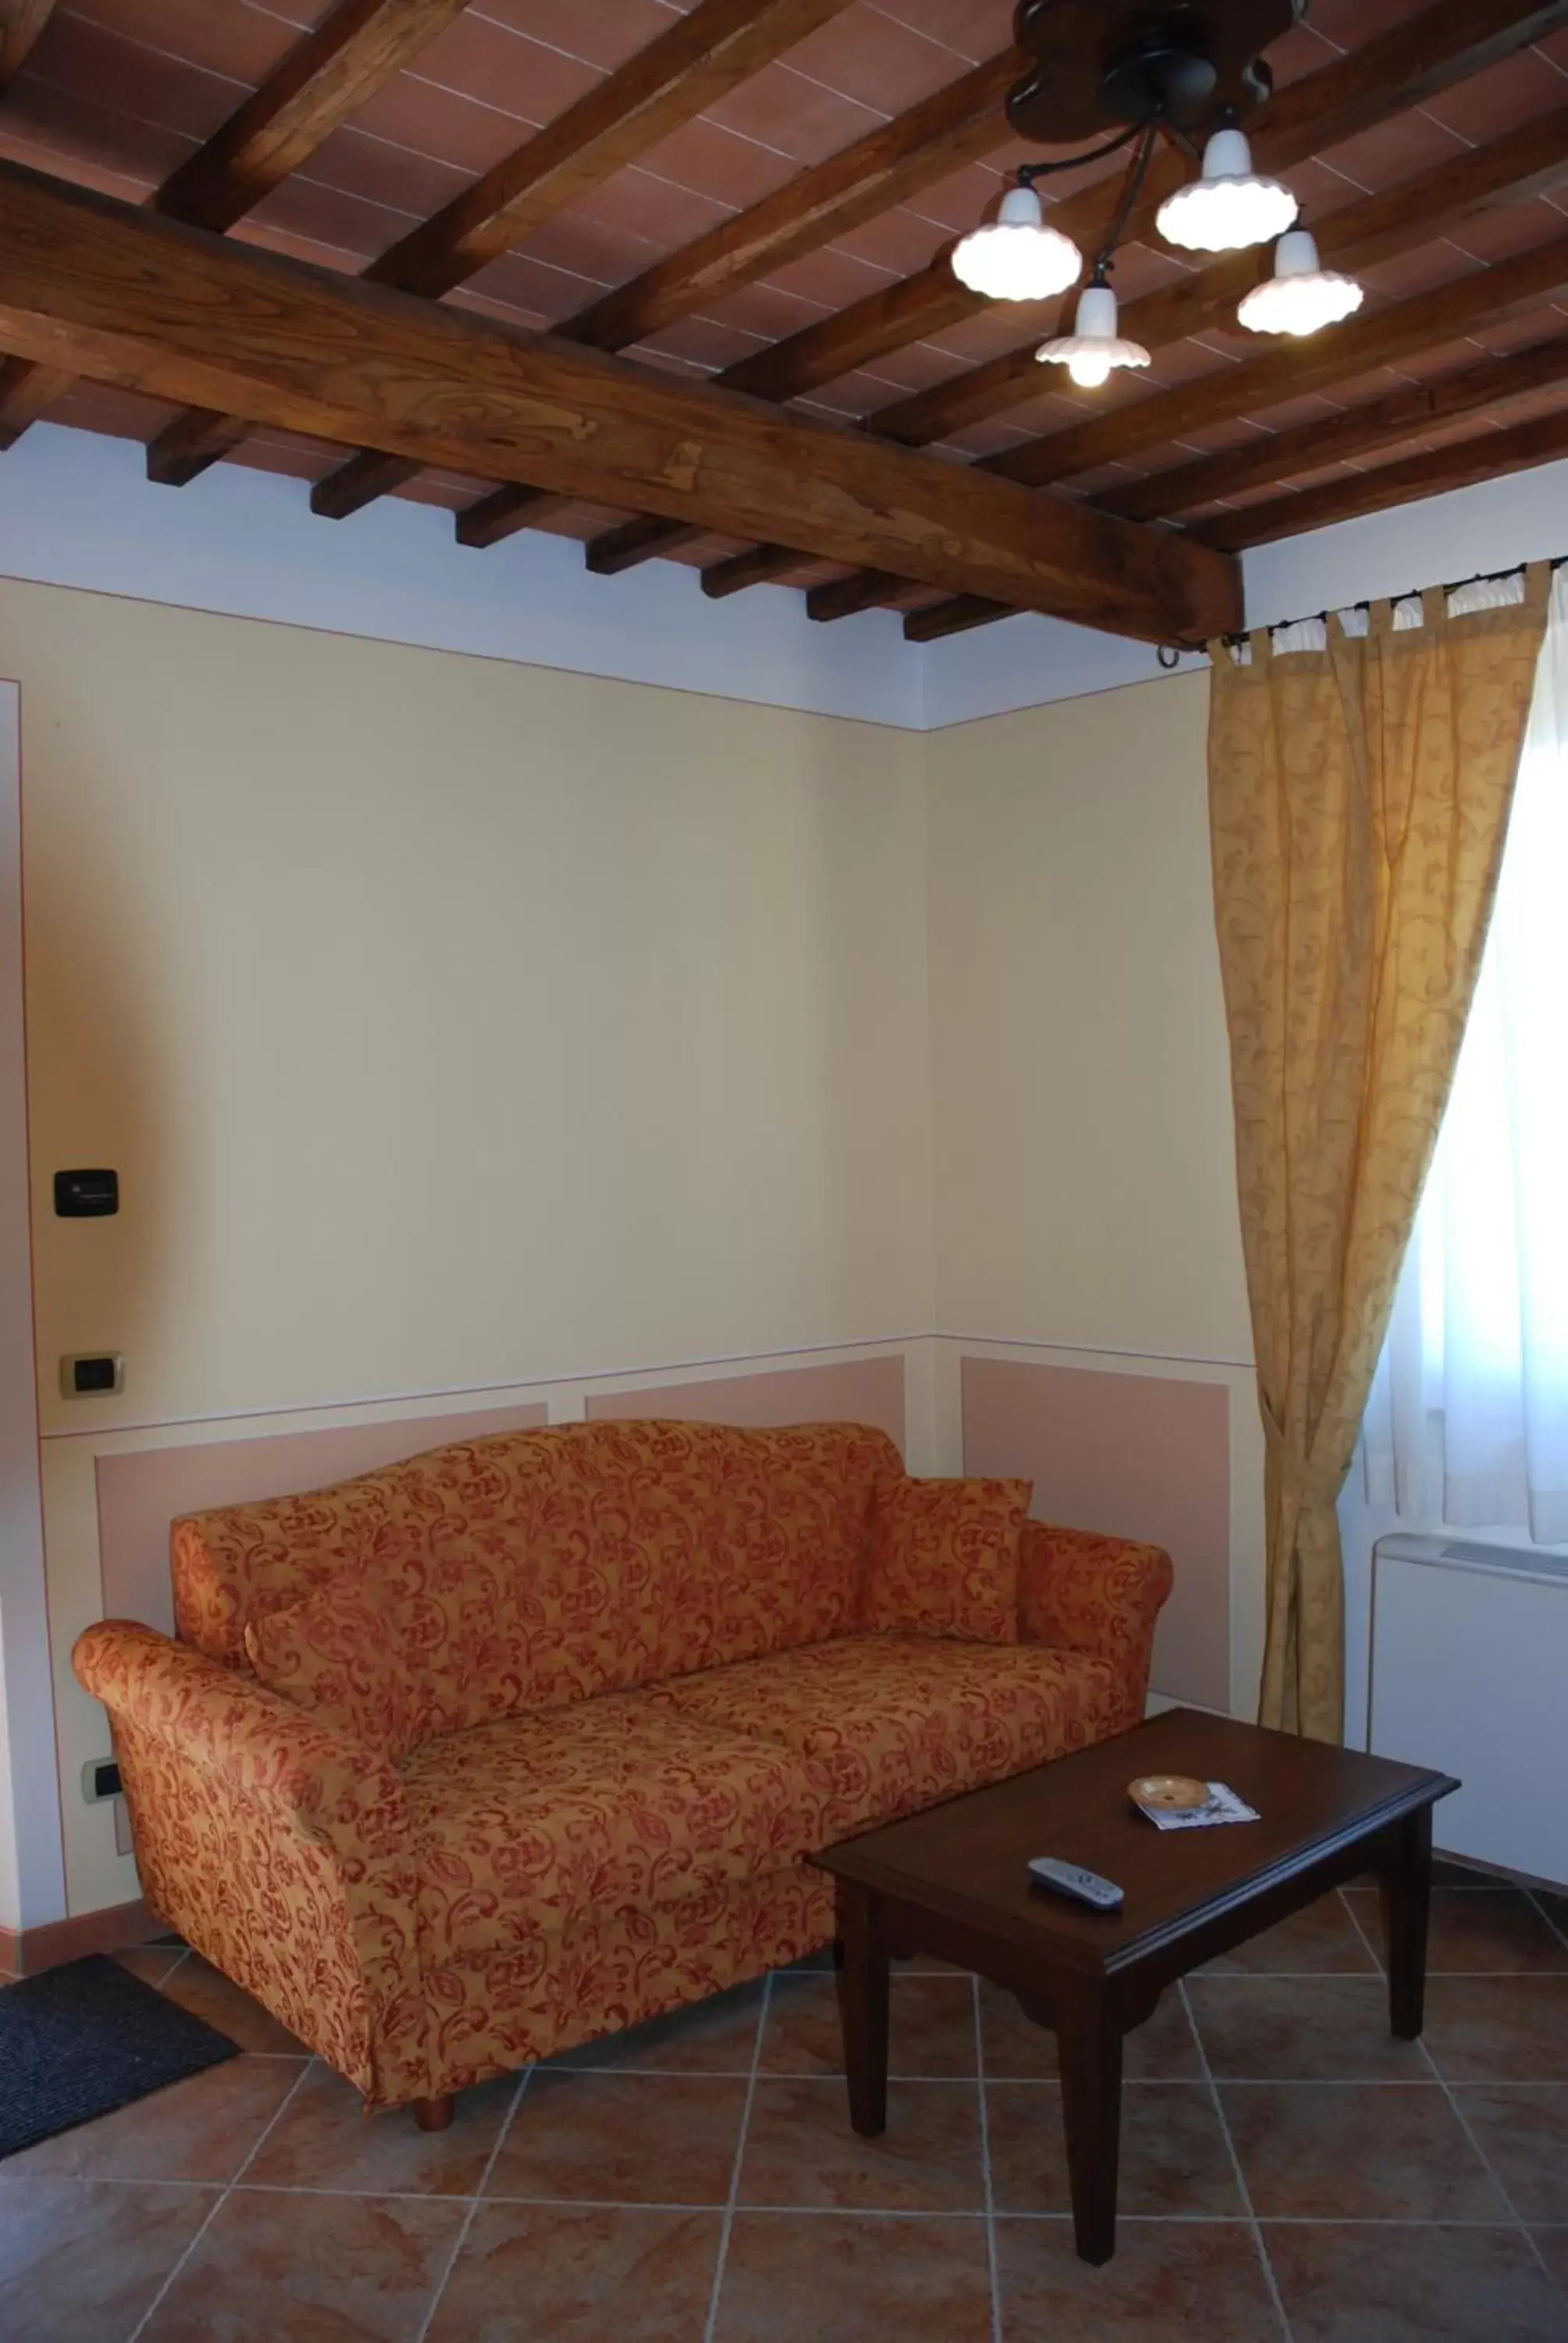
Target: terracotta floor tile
{"x":718,"y":2037}
{"x":200,"y":2129}
{"x":197,"y":1987}
{"x":624,"y":2139}
{"x":326,"y":2141}
{"x":1201,"y":2279}
{"x":81,"y":2260}
{"x":1302,"y":2029}
{"x":580,"y":2274}
{"x":1322,"y":1940}
{"x":1521,"y":2129}
{"x":151,"y":1963}
{"x":1017,"y":2050}
{"x":1357,"y":2151}
{"x":836,"y":2279}
{"x":931,"y":2032}
{"x":1382,"y":2284}
{"x":276,"y":2266}
{"x":1476,"y":1929}
{"x":800,"y":2150}
{"x":1483,"y":2029}
{"x":1174,"y":2159}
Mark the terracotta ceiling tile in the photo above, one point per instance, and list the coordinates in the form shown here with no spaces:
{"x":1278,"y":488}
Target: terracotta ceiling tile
{"x":243,"y":44}
{"x":702,"y":344}
{"x":430,"y":120}
{"x":992,"y":437}
{"x":1514,"y":92}
{"x":1517,"y":227}
{"x":896,"y":244}
{"x":636,"y":202}
{"x":310,"y":213}
{"x":763,"y":313}
{"x":734,"y":171}
{"x":482,"y":59}
{"x":140,"y":84}
{"x":828,"y":279}
{"x":1395,"y":150}
{"x":588,"y":249}
{"x":1301,"y":51}
{"x":1518,"y":333}
{"x":1420,"y":271}
{"x":962,"y":200}
{"x":413,"y":185}
{"x":1509,"y":411}
{"x":523,"y":283}
{"x":973,"y":29}
{"x":871,"y":57}
{"x":783,"y":110}
{"x":603,"y":32}
{"x":54,"y":131}
{"x":1554,"y":49}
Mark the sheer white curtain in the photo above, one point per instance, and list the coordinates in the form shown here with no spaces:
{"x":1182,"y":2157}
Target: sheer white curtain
{"x":1468,"y":1420}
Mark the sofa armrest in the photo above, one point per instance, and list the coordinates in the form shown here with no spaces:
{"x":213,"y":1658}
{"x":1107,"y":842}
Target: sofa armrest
{"x":1085,"y":1592}
{"x":279,"y":1849}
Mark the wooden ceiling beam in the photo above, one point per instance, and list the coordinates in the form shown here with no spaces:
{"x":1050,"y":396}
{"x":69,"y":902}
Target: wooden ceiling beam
{"x":174,"y":313}
{"x":956,"y":617}
{"x":1355,"y":432}
{"x":21,"y":21}
{"x":955,"y":125}
{"x":1411,"y":63}
{"x":755,"y":567}
{"x":699,"y":59}
{"x":324,"y":79}
{"x":1486,"y":455}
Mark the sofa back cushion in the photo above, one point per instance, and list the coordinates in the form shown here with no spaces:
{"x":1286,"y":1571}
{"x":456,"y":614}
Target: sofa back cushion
{"x":609,"y":1554}
{"x":944,"y":1559}
{"x":341,"y":1653}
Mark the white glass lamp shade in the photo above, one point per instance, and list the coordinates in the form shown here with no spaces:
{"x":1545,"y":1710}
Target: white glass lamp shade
{"x":1228,"y":207}
{"x":1094,"y":348}
{"x":1016,"y":256}
{"x":1301,"y":296}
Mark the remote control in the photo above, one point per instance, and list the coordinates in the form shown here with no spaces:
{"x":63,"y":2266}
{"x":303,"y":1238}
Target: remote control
{"x":1072,"y":1879}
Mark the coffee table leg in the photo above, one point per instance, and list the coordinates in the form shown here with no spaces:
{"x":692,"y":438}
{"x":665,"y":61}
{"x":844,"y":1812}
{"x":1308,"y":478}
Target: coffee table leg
{"x":863,"y":2005}
{"x":1090,"y":2054}
{"x":1406,"y":1884}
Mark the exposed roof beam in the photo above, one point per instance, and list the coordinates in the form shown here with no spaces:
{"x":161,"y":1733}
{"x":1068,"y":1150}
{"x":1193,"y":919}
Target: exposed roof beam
{"x":21,"y":21}
{"x":1405,"y":67}
{"x":743,"y":569}
{"x":1445,"y":314}
{"x":695,"y":62}
{"x":1486,"y":455}
{"x":325,"y":77}
{"x":1364,"y":430}
{"x":142,"y":303}
{"x":939,"y":620}
{"x":955,"y":125}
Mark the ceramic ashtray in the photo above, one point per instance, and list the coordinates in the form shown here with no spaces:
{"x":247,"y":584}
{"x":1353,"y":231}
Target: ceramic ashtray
{"x":1168,"y":1794}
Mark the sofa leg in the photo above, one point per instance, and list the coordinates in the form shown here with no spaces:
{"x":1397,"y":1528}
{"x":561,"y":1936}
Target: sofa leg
{"x":434,"y":2115}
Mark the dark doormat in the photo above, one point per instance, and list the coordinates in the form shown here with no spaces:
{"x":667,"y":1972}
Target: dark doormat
{"x":81,"y":2039}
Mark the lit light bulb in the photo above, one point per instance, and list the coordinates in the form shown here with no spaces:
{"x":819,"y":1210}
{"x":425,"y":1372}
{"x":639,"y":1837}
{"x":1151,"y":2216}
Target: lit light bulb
{"x":1016,"y":256}
{"x":1094,"y":348}
{"x":1230,"y":208}
{"x":1089,"y":368}
{"x":1302,"y":297}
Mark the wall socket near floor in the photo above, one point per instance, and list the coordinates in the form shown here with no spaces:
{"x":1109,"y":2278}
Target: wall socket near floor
{"x":100,"y":1779}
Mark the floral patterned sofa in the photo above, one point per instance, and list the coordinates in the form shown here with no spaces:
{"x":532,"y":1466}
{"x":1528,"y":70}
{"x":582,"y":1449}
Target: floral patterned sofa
{"x":567,"y":1715}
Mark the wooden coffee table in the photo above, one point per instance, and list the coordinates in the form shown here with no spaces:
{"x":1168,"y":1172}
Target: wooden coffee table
{"x":952,"y":1882}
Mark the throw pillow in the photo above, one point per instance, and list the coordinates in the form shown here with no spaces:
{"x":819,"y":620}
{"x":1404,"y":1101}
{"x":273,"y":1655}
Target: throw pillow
{"x":341,"y":1654}
{"x":944,"y":1559}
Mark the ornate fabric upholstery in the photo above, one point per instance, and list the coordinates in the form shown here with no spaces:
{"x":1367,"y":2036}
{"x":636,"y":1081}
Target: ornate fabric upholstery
{"x":900,"y":1722}
{"x":526,"y":1825}
{"x":638,"y":1706}
{"x":341,"y":1654}
{"x":944,"y":1558}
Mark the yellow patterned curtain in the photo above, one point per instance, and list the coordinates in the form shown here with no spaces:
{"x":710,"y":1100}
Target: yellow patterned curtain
{"x":1358,"y":801}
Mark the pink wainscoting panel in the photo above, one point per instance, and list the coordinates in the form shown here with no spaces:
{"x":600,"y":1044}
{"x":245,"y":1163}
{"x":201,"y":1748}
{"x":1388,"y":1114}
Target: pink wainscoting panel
{"x":1139,"y":1456}
{"x":139,"y":1494}
{"x":845,"y":1390}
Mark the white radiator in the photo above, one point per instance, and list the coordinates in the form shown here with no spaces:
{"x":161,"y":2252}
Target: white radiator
{"x":1470,"y":1673}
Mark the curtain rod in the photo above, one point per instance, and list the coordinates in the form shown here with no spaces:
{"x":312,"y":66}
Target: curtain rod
{"x":1411,"y":593}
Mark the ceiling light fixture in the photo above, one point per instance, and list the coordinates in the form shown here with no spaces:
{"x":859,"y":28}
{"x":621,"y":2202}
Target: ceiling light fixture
{"x":1302,"y":297}
{"x":1094,"y":348}
{"x":1228,"y":207}
{"x":1017,"y":257}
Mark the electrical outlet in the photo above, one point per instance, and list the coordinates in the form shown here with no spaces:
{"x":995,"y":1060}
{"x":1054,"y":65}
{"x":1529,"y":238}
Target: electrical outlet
{"x":100,"y":1780}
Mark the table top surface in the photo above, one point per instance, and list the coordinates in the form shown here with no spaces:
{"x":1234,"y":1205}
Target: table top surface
{"x":969,"y":1859}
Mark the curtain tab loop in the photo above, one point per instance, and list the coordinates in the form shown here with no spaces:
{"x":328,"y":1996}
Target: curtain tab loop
{"x":1537,"y":585}
{"x":1433,"y":605}
{"x":1263,"y":645}
{"x":1380,"y":621}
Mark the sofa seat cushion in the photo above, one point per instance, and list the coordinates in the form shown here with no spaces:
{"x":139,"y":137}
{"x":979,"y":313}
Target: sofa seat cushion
{"x":903,"y":1721}
{"x":527,"y":1825}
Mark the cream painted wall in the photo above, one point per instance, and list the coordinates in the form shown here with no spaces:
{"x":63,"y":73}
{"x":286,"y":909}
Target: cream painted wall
{"x":1085,"y":1200}
{"x":453,"y":1022}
